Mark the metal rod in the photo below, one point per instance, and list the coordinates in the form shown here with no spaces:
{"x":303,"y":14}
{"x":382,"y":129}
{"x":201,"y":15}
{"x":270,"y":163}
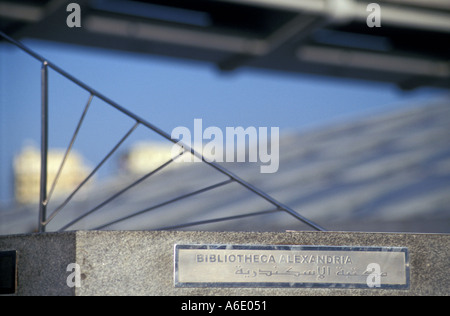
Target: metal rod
{"x":220,"y":219}
{"x":72,"y":141}
{"x":266,"y":196}
{"x":168,"y":137}
{"x":166,"y":203}
{"x":44,"y":147}
{"x":119,"y":193}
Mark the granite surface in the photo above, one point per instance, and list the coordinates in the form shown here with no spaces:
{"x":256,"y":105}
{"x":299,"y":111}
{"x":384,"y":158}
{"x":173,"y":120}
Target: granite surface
{"x":42,"y":262}
{"x":142,"y":262}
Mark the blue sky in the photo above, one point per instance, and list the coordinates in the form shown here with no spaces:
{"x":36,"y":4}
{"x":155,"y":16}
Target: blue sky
{"x":167,"y":93}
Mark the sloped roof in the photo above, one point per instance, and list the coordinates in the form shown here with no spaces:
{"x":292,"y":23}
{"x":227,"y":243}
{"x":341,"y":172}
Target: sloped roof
{"x":388,"y":172}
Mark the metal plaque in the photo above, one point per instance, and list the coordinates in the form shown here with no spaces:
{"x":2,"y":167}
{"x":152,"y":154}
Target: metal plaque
{"x":8,"y":272}
{"x":291,"y":266}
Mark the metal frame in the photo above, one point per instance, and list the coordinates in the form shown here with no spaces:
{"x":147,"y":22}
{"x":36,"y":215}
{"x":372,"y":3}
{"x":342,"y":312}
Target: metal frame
{"x":8,"y":272}
{"x":44,"y":198}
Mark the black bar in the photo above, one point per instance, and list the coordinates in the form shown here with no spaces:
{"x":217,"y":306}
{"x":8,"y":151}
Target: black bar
{"x":168,"y":137}
{"x":220,"y":219}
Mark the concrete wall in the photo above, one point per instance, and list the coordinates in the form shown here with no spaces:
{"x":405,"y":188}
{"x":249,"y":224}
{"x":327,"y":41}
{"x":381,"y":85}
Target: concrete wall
{"x":142,"y":262}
